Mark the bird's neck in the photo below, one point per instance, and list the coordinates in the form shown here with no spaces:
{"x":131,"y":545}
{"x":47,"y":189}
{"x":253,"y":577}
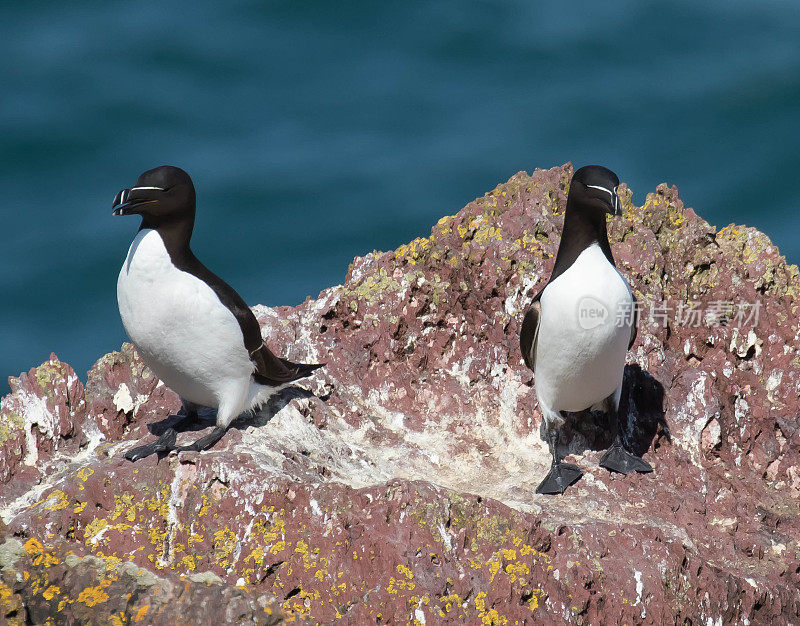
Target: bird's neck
{"x":582,"y":229}
{"x":176,"y":233}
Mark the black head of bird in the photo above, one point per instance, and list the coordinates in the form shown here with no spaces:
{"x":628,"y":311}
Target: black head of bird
{"x":594,"y":190}
{"x":160,"y":195}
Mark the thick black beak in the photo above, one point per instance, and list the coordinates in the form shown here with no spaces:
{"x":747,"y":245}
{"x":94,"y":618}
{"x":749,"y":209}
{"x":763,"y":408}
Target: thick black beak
{"x":120,"y":200}
{"x":616,"y":205}
{"x":129,"y":201}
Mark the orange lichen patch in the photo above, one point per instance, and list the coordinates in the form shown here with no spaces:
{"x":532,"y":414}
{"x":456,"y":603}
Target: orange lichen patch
{"x":660,"y":202}
{"x":405,"y":582}
{"x":450,"y":603}
{"x":256,"y":555}
{"x":205,"y":505}
{"x":117,"y":620}
{"x":41,"y":554}
{"x":534,"y":602}
{"x":189,"y":562}
{"x":517,"y":570}
{"x":528,"y":241}
{"x":124,"y":505}
{"x":33,"y":546}
{"x":405,"y":571}
{"x":95,"y":530}
{"x":84,"y":473}
{"x":487,"y":234}
{"x":92,"y":596}
{"x":54,"y":501}
{"x":445,"y":224}
{"x":309,"y":556}
{"x":194,"y":538}
{"x":516,"y":565}
{"x":141,"y":613}
{"x":491,"y":616}
{"x":158,"y":539}
{"x":5,"y":594}
{"x":224,"y":544}
{"x":300,"y":603}
{"x":419,"y":601}
{"x":111,"y":561}
{"x":494,"y":567}
{"x":414,"y":250}
{"x":268,"y":536}
{"x":301,"y":547}
{"x":160,"y":502}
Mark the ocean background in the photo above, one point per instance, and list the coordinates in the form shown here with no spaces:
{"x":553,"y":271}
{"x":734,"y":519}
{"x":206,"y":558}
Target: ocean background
{"x":318,"y":131}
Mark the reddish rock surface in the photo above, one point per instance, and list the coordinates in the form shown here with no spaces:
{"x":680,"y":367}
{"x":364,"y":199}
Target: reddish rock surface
{"x":401,"y":489}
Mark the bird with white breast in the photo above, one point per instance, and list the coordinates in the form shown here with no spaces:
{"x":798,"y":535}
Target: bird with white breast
{"x":579,"y":327}
{"x":188,"y":325}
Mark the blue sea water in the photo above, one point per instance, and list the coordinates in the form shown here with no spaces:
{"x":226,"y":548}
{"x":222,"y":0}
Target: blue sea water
{"x":318,"y":131}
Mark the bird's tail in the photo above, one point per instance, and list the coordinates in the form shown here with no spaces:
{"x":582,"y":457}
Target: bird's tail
{"x":301,"y":370}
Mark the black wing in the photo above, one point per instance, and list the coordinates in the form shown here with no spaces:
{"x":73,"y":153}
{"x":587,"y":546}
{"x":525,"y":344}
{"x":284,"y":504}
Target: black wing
{"x":635,"y":324}
{"x":273,"y":370}
{"x":270,"y":369}
{"x":530,"y":332}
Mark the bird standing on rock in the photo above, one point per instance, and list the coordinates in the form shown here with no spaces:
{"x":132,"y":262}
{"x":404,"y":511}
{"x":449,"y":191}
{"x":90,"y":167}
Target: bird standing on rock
{"x":188,"y":325}
{"x":580,"y":325}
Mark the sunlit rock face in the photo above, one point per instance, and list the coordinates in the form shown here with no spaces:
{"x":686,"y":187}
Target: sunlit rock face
{"x":398,"y":483}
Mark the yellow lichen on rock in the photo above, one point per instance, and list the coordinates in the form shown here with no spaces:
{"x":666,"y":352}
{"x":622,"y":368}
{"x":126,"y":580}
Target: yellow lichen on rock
{"x":92,"y":596}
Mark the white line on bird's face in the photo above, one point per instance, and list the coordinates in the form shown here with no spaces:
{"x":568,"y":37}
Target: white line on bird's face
{"x":615,"y":203}
{"x":610,"y":193}
{"x":140,"y":188}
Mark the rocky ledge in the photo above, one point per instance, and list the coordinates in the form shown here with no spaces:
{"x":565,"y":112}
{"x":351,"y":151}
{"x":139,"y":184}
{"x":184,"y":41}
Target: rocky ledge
{"x":398,"y":484}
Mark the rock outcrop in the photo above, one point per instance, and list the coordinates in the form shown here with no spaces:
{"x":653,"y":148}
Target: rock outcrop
{"x":398,"y":484}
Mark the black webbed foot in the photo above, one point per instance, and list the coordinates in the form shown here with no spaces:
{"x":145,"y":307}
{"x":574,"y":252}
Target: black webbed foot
{"x":204,"y":443}
{"x":163,"y":444}
{"x":167,"y":443}
{"x":618,"y":459}
{"x":561,"y":476}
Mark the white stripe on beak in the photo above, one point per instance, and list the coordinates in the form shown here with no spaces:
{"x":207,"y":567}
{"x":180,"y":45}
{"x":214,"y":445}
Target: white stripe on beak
{"x":140,"y":188}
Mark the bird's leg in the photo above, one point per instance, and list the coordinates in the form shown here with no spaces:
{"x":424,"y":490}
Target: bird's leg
{"x":617,"y":458}
{"x":561,"y":474}
{"x":166,"y":441}
{"x":206,"y":442}
{"x":163,"y":444}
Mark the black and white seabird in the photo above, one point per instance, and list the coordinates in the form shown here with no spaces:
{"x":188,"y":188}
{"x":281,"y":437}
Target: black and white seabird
{"x":188,"y":325}
{"x":580,"y":325}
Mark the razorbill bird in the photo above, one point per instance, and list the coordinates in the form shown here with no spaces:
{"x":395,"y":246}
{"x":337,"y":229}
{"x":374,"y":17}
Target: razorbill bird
{"x":580,"y":325}
{"x":188,"y":325}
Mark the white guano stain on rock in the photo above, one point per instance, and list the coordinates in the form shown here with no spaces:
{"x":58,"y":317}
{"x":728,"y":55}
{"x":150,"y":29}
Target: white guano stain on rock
{"x":36,"y":415}
{"x":696,"y":416}
{"x":122,"y":399}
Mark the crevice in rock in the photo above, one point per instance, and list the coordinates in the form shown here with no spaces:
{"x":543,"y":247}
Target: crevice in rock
{"x":270,"y":571}
{"x":292,"y":593}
